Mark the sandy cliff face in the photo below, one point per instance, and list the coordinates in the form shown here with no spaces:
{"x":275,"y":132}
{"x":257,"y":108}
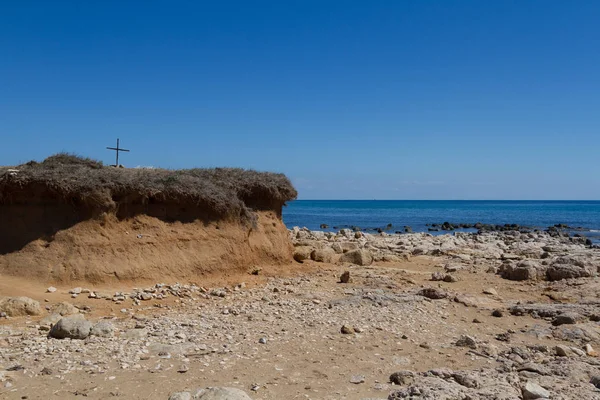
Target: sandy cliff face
{"x":59,"y":244}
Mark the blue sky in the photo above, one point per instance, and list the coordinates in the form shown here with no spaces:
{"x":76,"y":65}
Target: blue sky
{"x":352,"y":100}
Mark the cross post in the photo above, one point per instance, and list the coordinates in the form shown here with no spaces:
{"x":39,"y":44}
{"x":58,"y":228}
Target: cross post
{"x":117,"y":150}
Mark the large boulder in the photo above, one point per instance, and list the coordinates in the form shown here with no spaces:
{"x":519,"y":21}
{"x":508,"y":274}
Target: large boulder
{"x":211,"y":393}
{"x":557,"y":272}
{"x":64,"y":308}
{"x":522,"y":271}
{"x":19,"y":306}
{"x":302,"y":253}
{"x":325,"y":255}
{"x":343,"y":247}
{"x":359,"y":257}
{"x":103,"y":329}
{"x":73,"y":327}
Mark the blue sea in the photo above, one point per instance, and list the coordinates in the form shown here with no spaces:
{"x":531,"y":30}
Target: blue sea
{"x":373,"y":214}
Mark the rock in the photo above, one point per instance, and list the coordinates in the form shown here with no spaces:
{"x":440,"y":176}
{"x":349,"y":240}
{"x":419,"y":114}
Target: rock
{"x":466,"y":341}
{"x":356,"y":379}
{"x":589,"y":350}
{"x":262,"y":340}
{"x":181,"y":396}
{"x":557,"y":272}
{"x":497,"y":313}
{"x":219,"y":393}
{"x":345,"y":277}
{"x":323,"y":226}
{"x":65,"y":309}
{"x":359,"y":257}
{"x":51,"y":289}
{"x":466,"y":380}
{"x":401,"y":377}
{"x":73,"y":327}
{"x":562,"y":351}
{"x":347,"y":330}
{"x":19,"y":306}
{"x":103,"y":329}
{"x":595,"y":380}
{"x":524,"y":270}
{"x":490,"y":291}
{"x":437,"y":276}
{"x":532,"y":391}
{"x":302,"y":253}
{"x":76,"y":290}
{"x":50,"y":320}
{"x":183,"y":368}
{"x":324,"y":255}
{"x":567,"y":318}
{"x":433,"y":293}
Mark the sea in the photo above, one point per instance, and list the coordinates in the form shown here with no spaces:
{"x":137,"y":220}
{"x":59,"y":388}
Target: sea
{"x":584,"y":216}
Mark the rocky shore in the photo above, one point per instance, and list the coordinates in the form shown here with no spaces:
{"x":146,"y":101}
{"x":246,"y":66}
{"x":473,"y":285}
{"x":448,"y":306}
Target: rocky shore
{"x":490,"y":315}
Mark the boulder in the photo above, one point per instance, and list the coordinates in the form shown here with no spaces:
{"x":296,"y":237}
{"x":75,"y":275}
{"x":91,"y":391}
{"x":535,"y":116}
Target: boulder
{"x":567,"y":318}
{"x":19,"y":306}
{"x":302,"y":253}
{"x":522,"y":271}
{"x":65,"y":309}
{"x":433,"y":293}
{"x":557,"y":272}
{"x":532,"y":391}
{"x":73,"y":327}
{"x":103,"y":329}
{"x":359,"y":257}
{"x":325,"y":255}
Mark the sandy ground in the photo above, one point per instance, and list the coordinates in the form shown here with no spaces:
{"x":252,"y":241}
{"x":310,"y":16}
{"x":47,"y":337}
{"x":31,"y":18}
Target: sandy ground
{"x":305,"y":355}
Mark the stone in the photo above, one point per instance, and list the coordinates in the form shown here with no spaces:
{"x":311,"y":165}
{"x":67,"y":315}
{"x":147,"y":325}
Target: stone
{"x":103,"y":329}
{"x":302,"y":253}
{"x":19,"y":306}
{"x":562,"y":351}
{"x":433,"y":293}
{"x":76,"y":290}
{"x":532,"y":391}
{"x":345,"y":277}
{"x":356,"y":379}
{"x":557,"y":272}
{"x":359,"y":257}
{"x":219,"y":393}
{"x":50,"y":320}
{"x":497,"y":313}
{"x":181,"y":396}
{"x":347,"y":330}
{"x":466,"y":341}
{"x":65,"y":309}
{"x":401,"y":377}
{"x":262,"y":340}
{"x":522,"y":271}
{"x":589,"y":350}
{"x":595,"y":380}
{"x":490,"y":291}
{"x":567,"y":318}
{"x":324,"y":255}
{"x":51,"y":289}
{"x":73,"y":327}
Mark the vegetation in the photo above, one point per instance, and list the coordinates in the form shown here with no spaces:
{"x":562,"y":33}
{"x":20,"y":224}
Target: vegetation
{"x":219,"y":192}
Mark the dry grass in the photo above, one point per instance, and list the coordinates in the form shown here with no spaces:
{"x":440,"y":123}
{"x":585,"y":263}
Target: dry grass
{"x":219,"y":192}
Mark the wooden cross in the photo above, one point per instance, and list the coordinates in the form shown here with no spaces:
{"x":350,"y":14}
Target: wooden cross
{"x":117,"y":150}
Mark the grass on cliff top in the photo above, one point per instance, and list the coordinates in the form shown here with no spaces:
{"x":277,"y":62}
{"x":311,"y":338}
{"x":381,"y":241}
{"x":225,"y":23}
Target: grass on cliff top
{"x":220,"y":191}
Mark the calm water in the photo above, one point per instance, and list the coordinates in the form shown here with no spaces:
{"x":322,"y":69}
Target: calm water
{"x":379,"y":213}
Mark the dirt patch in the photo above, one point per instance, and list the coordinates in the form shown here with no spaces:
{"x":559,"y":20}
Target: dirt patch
{"x":146,"y":248}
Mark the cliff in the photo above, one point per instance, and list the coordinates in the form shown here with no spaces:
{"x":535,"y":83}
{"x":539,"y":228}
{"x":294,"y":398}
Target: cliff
{"x":69,"y":219}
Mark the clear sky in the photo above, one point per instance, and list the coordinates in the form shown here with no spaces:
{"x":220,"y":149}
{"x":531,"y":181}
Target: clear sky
{"x":351,"y":99}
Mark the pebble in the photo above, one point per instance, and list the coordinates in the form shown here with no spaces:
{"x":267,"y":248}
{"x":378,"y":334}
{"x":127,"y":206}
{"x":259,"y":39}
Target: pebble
{"x":51,"y":289}
{"x":356,"y":379}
